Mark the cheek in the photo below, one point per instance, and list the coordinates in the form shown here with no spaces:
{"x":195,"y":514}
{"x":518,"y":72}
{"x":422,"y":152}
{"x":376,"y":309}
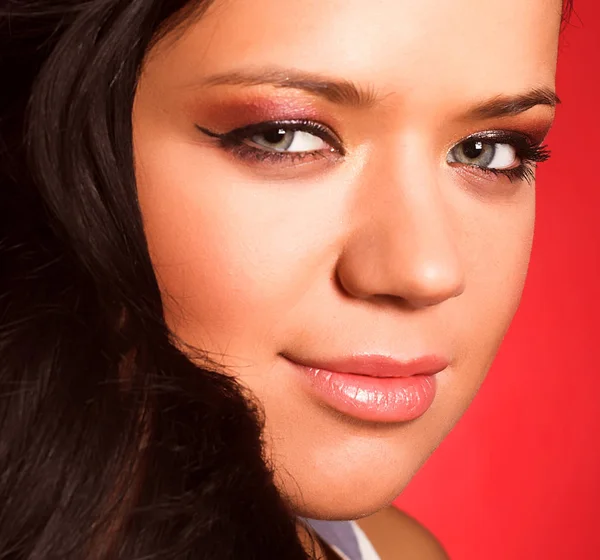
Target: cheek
{"x":498,"y":253}
{"x":499,"y":267}
{"x":231,"y":258}
{"x":212,"y":277}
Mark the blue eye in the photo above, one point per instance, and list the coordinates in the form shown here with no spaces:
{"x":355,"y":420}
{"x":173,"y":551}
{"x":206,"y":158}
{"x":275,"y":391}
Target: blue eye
{"x":280,"y":139}
{"x":487,"y":155}
{"x":497,"y":152}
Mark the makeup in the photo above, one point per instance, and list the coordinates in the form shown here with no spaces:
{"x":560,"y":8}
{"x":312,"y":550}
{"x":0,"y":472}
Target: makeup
{"x":275,"y":142}
{"x":373,"y":388}
{"x":526,"y":154}
{"x":233,"y":111}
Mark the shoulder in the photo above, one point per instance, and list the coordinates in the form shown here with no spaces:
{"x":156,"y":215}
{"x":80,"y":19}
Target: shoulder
{"x":395,"y":534}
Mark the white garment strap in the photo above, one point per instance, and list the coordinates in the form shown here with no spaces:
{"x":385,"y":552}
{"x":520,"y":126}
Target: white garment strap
{"x":345,"y":538}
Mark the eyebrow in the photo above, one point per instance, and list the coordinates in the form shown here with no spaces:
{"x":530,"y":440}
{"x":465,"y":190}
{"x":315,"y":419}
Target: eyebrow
{"x":508,"y":105}
{"x":342,"y":92}
{"x":345,"y":92}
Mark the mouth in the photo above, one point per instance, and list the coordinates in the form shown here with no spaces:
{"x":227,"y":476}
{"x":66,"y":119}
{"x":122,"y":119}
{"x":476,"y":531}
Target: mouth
{"x":371,"y":387}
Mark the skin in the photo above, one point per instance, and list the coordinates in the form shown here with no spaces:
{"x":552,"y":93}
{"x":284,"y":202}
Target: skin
{"x":397,"y":535}
{"x":388,"y":248}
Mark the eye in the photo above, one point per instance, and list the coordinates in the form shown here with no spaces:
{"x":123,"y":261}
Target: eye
{"x":498,"y":153}
{"x":509,"y":153}
{"x":280,"y":142}
{"x":484,"y":154}
{"x":279,"y":139}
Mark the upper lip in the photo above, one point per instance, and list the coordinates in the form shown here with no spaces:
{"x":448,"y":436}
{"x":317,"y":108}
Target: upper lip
{"x":378,"y":365}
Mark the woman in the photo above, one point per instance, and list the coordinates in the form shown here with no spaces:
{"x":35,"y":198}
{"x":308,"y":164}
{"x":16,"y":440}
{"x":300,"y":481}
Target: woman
{"x":257,"y":258}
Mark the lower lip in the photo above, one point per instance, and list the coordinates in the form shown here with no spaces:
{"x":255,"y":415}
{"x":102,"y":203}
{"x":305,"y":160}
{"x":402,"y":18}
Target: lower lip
{"x":373,"y":399}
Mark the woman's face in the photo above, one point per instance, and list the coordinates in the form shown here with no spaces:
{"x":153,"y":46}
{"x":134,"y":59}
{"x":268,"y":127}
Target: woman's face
{"x":381,"y":227}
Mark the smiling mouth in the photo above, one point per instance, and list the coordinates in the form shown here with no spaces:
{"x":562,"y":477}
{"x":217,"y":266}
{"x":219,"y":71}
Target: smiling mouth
{"x":373,"y":388}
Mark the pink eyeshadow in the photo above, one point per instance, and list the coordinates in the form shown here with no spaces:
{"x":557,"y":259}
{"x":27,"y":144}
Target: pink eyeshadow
{"x":224,"y":115}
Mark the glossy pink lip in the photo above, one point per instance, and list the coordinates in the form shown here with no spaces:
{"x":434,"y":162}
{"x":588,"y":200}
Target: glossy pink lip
{"x":374,"y":388}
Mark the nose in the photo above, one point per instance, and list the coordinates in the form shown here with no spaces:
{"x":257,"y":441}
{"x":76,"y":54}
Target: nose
{"x":404,"y":242}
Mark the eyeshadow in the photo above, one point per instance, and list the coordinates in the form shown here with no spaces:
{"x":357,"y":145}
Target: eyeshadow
{"x":237,"y":111}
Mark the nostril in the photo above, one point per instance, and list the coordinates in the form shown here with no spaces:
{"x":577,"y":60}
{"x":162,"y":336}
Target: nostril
{"x":420,"y":279}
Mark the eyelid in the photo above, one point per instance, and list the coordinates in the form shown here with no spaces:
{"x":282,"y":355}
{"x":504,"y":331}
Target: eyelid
{"x":517,"y":139}
{"x":529,"y":151}
{"x":316,"y":128}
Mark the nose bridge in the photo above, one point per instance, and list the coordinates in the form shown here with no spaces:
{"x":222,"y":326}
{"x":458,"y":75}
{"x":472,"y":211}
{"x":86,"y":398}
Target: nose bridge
{"x":404,"y":244}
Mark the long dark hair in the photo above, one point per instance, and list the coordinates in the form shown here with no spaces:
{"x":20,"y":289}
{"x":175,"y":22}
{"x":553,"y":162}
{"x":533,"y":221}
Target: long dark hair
{"x":113,"y":444}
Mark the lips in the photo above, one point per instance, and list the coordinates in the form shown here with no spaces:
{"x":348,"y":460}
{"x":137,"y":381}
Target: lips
{"x":373,"y":388}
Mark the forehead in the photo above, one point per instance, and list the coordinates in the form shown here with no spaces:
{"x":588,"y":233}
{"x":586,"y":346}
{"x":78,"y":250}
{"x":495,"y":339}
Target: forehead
{"x":464,"y":48}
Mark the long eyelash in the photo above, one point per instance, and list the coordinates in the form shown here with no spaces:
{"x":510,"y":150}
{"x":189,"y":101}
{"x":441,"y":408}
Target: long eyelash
{"x":243,"y":151}
{"x":530,"y":157}
{"x":529,"y":152}
{"x":525,"y":171}
{"x":234,"y":141}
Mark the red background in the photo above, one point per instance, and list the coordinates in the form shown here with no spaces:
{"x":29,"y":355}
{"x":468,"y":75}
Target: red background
{"x":519,"y":477}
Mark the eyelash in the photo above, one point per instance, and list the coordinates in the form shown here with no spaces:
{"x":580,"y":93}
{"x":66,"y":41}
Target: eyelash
{"x":529,"y":153}
{"x":234,"y":141}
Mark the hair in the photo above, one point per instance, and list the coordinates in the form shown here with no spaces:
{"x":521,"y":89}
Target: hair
{"x":114,"y":443}
{"x":567,"y":12}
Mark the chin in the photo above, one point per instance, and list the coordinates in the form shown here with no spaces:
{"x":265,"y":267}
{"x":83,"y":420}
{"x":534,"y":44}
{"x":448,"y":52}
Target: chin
{"x":331,"y":467}
{"x":348,"y":504}
{"x":351,"y":495}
